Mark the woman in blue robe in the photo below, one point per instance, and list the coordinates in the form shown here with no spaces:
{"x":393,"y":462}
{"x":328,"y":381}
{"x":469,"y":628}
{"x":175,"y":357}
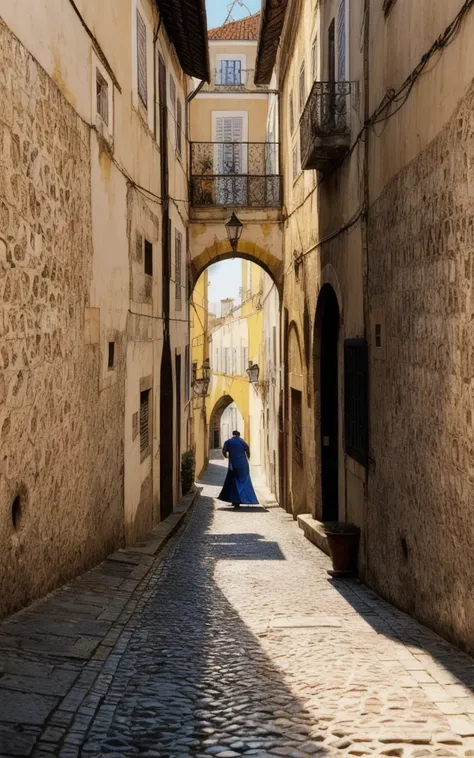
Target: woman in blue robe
{"x":238,"y":488}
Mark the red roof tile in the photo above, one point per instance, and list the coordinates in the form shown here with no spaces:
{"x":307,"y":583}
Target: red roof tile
{"x":244,"y":28}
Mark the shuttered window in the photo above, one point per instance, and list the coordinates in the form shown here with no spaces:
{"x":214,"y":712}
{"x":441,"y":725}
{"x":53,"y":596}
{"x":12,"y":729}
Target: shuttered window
{"x":341,"y":42}
{"x":291,"y":112}
{"x":141,"y":61}
{"x":102,"y":93}
{"x":230,"y":72}
{"x":179,"y":126}
{"x":356,"y":392}
{"x":178,"y":252}
{"x":314,"y":59}
{"x":144,"y":421}
{"x":302,"y":88}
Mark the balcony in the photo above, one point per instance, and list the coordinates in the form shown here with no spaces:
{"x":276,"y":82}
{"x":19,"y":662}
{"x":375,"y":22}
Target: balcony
{"x":325,"y":126}
{"x":234,"y":80}
{"x":241,"y":174}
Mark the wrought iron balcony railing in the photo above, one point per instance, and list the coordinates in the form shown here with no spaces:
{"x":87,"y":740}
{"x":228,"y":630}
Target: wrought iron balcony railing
{"x":325,"y":125}
{"x":235,"y":174}
{"x":228,"y":79}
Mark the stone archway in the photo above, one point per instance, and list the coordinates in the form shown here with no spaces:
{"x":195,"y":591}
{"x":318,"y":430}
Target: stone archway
{"x":220,"y":251}
{"x":215,"y":440}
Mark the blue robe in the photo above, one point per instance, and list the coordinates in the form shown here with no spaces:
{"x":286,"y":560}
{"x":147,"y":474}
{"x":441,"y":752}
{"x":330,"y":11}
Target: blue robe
{"x":238,"y":485}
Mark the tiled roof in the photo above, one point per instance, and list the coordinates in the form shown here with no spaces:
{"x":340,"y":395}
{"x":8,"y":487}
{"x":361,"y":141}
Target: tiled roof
{"x":244,"y":28}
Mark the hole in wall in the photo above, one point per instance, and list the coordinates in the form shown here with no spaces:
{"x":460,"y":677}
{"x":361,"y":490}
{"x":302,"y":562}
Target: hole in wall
{"x":16,"y":512}
{"x":404,"y":545}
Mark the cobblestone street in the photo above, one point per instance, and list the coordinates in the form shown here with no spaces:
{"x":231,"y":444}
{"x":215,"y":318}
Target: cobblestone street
{"x":233,"y":641}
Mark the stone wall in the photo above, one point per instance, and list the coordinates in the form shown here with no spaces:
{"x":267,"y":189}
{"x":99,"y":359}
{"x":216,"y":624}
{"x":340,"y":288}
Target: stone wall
{"x":61,"y":479}
{"x":420,"y":525}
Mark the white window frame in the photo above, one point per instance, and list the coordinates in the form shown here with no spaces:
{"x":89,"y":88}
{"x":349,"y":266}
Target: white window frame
{"x":106,"y":130}
{"x":347,"y":35}
{"x":232,"y":57}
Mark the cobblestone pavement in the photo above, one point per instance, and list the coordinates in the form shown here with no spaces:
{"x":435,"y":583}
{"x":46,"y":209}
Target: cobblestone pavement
{"x":233,"y":642}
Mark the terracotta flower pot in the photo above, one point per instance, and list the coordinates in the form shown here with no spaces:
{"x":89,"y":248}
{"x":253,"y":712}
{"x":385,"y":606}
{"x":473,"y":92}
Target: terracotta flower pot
{"x":343,"y":543}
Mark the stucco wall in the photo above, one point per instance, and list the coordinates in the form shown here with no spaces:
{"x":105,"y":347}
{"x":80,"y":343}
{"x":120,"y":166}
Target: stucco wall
{"x":420,"y":528}
{"x":61,"y":437}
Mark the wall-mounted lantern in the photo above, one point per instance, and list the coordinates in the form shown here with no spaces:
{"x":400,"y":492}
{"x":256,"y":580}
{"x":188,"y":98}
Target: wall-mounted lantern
{"x":253,"y":372}
{"x":234,"y":229}
{"x":201,"y":386}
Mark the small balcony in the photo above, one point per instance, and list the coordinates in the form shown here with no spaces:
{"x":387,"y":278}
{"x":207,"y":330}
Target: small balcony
{"x":235,"y":79}
{"x":325,"y":125}
{"x":239,"y":174}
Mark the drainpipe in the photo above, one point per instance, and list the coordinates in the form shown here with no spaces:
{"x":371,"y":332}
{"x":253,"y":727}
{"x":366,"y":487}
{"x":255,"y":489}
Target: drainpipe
{"x":155,"y":92}
{"x":365,"y":243}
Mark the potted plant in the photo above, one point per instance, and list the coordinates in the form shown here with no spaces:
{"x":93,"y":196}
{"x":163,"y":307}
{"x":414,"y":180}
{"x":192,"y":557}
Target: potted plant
{"x":343,"y":544}
{"x":188,"y":465}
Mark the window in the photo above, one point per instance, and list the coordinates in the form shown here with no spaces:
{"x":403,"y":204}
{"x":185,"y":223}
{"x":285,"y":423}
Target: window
{"x":173,"y":96}
{"x":295,"y":162}
{"x":148,"y":258}
{"x":179,"y":126}
{"x":234,"y":361}
{"x":245,"y":359}
{"x":111,"y":358}
{"x":186,"y":373}
{"x":230,"y":72}
{"x":356,"y":412}
{"x":142,"y":61}
{"x":302,"y":88}
{"x":178,"y":240}
{"x":144,"y":421}
{"x":291,"y":112}
{"x":102,"y":94}
{"x":297,"y":425}
{"x":314,"y":59}
{"x":341,"y":42}
{"x":217,"y":360}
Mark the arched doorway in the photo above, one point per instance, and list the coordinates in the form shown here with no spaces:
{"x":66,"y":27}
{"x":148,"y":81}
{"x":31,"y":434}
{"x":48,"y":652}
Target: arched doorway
{"x":297,"y":488}
{"x":327,"y":385}
{"x":225,"y":415}
{"x":166,"y":432}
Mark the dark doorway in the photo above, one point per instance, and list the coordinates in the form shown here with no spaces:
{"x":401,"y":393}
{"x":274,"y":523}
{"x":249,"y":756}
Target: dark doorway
{"x":178,"y":421}
{"x":166,"y":433}
{"x":332,"y":52}
{"x":329,"y":402}
{"x":216,"y":442}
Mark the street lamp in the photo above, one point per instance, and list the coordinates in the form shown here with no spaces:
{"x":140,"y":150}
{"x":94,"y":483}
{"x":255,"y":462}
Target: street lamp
{"x":201,"y":386}
{"x":253,"y":372}
{"x":234,"y":229}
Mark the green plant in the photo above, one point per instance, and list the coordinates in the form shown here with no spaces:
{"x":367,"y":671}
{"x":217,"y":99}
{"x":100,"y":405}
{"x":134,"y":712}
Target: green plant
{"x":188,"y":466}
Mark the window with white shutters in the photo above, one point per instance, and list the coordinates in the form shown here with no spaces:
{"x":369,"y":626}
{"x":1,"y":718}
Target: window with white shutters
{"x":314,"y":59}
{"x":178,"y":243}
{"x":341,"y":42}
{"x":230,"y":160}
{"x":144,"y":421}
{"x":142,"y":61}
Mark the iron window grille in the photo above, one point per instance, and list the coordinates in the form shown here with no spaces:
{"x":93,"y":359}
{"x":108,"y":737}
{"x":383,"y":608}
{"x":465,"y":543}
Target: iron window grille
{"x":102,"y":97}
{"x":144,"y":421}
{"x":356,"y":399}
{"x":142,"y":61}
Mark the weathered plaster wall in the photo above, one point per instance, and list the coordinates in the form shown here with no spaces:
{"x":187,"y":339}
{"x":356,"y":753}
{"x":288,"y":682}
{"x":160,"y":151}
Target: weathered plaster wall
{"x":420,"y":527}
{"x":61,"y":436}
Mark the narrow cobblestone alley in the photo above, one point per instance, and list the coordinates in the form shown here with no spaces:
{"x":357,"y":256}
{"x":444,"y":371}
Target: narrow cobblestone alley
{"x":232,"y":642}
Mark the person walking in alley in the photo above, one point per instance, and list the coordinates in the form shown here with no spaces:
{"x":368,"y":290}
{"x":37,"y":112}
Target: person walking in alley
{"x":238,"y":488}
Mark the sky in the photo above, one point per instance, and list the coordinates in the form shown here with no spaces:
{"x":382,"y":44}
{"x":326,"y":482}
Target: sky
{"x":225,"y":280}
{"x":217,"y":10}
